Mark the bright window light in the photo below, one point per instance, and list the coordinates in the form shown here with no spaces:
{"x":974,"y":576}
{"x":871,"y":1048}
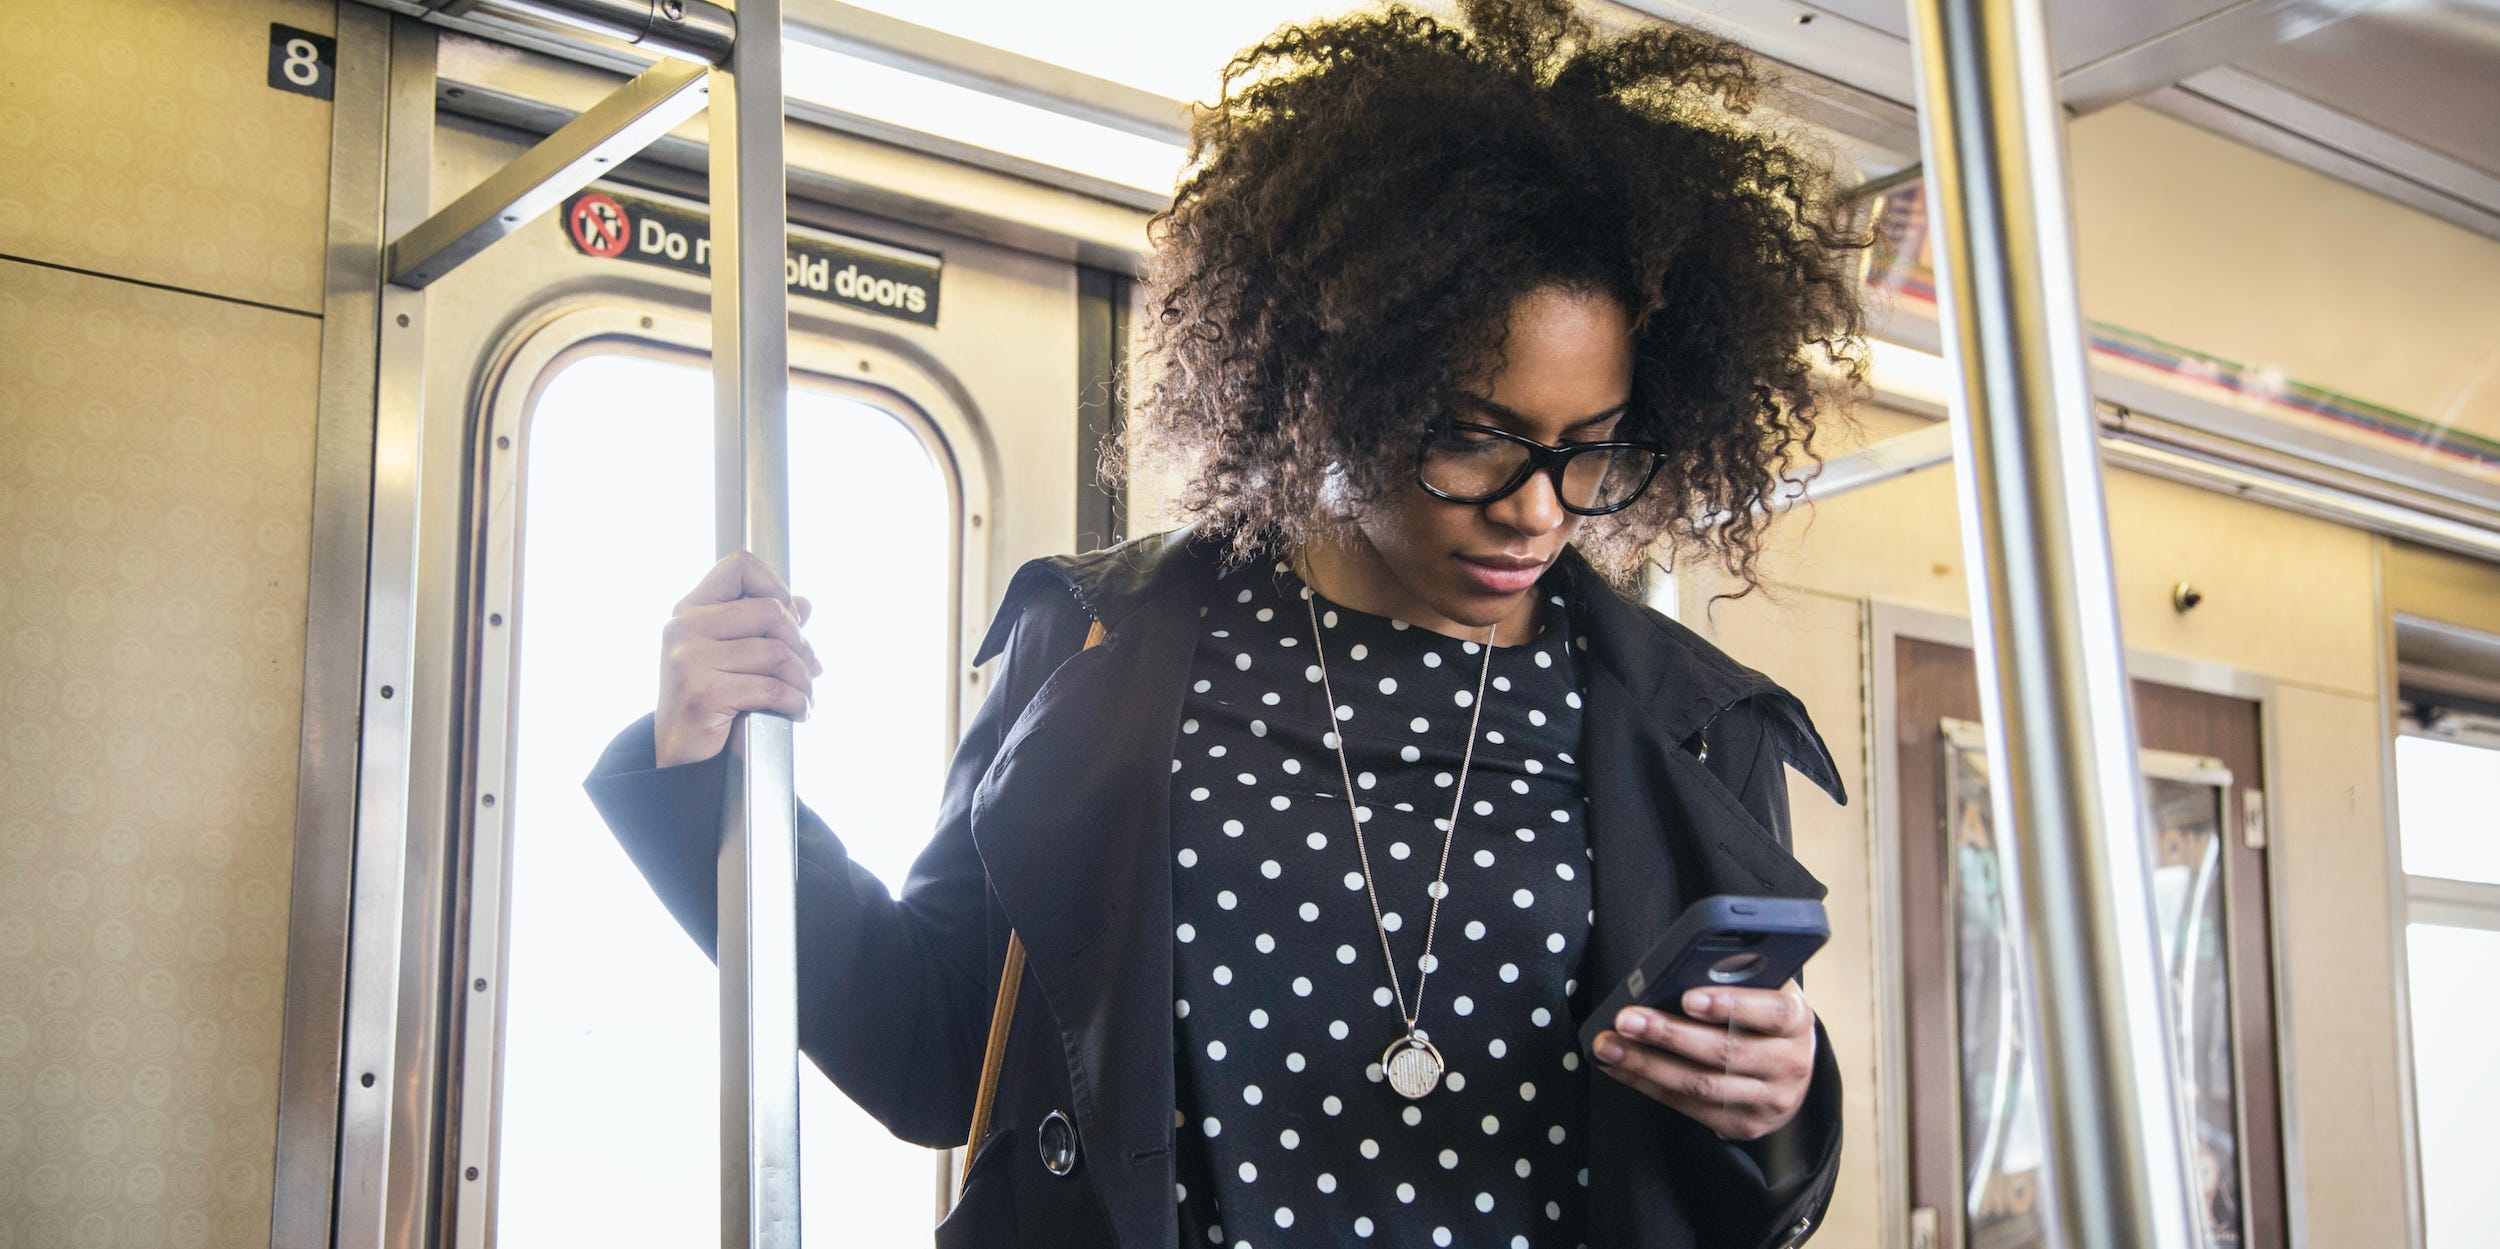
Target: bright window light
{"x":609,"y":1121}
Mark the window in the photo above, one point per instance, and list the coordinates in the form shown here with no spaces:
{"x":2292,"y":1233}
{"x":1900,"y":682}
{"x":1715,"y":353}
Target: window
{"x":2447,"y":769}
{"x":609,"y":1069}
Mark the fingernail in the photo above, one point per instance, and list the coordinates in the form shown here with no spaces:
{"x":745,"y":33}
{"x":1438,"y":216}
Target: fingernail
{"x":1696,"y":1002}
{"x":1630,"y":1023}
{"x":1609,"y":1049}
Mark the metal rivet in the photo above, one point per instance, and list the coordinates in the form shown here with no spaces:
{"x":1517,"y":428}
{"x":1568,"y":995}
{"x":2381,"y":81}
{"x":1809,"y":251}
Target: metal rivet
{"x":503,"y":442}
{"x":403,"y":317}
{"x":646,"y":323}
{"x":489,"y":800}
{"x":494,"y":618}
{"x":472,"y":1173}
{"x":366,"y":1079}
{"x":2185,"y":597}
{"x":478,"y":984}
{"x":673,"y":10}
{"x":386,"y":691}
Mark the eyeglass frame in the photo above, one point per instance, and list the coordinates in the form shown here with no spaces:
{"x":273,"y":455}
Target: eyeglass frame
{"x":1541,"y":459}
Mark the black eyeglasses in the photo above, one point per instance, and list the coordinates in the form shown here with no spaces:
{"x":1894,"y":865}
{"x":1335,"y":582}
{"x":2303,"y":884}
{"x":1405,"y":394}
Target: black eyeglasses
{"x":1469,"y":463}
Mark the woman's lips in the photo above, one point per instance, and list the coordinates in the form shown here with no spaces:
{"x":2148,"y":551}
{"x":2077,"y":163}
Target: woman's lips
{"x":1501,"y":576}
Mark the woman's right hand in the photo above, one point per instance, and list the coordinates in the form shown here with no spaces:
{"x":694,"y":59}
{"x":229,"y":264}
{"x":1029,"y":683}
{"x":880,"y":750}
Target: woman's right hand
{"x":732,"y":645}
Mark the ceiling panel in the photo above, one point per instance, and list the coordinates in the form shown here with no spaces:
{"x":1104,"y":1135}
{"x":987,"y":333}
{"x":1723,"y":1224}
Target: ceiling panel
{"x":2428,"y":70}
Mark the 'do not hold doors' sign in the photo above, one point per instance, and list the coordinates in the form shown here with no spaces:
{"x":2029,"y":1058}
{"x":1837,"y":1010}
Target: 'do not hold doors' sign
{"x":855,"y":273}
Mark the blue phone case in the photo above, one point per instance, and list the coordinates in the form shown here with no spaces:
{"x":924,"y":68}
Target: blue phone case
{"x":1757,"y":943}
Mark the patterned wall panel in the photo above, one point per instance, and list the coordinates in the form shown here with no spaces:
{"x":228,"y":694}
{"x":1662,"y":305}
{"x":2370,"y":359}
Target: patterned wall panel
{"x":142,"y":138}
{"x":155,"y":476}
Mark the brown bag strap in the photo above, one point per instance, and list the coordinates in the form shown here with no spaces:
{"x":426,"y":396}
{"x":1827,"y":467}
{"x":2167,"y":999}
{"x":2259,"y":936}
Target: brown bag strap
{"x":1002,"y":1018}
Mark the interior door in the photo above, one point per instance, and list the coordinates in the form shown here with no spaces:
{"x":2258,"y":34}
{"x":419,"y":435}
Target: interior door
{"x":1975,"y":1143}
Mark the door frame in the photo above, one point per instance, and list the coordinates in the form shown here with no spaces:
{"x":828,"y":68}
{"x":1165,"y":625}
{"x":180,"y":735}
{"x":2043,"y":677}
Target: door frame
{"x":1884,"y":624}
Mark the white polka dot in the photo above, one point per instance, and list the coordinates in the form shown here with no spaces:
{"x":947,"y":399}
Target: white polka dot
{"x":1571,"y":699}
{"x":1187,"y":933}
{"x":1552,"y":1210}
{"x":1518,"y":786}
{"x":1399,"y":850}
{"x":1428,"y":964}
{"x":1226,"y":899}
{"x":1272,"y":869}
{"x":1258,"y":728}
{"x":1280,"y":802}
{"x":1501,"y":683}
{"x":1380,"y":996}
{"x":1354,"y":880}
{"x":1554,"y":941}
{"x":1250,"y":1093}
{"x":1215,"y":1050}
{"x":1200,"y":687}
{"x":1464,"y":697}
{"x":1358,"y":650}
{"x":1534,"y":767}
{"x":1187,"y":857}
{"x":1475,"y":930}
{"x":1522,"y":898}
{"x":1267,"y":613}
{"x":1540,"y":1016}
{"x":1176,"y":765}
{"x":1198,"y":794}
{"x":1369,"y":1148}
{"x":1232,"y":828}
{"x":1344,"y":712}
{"x":1223,"y":974}
{"x":1330,"y":1105}
{"x":1521,"y":1168}
{"x":1327,"y":1182}
{"x":1457,"y":1082}
{"x":1544,"y":660}
{"x":1571,"y":1060}
{"x":1527,"y":1092}
{"x":1302,"y":986}
{"x":1406,"y":1193}
{"x":1247,"y":779}
{"x":1409,"y":753}
{"x":1420,"y":725}
{"x":1245,"y":597}
{"x":1258,"y":1018}
{"x":1249,"y":1174}
{"x":1525,"y":834}
{"x":1316,"y":841}
{"x":1441,"y":1237}
{"x":1337,"y":1029}
{"x":1294,"y":1062}
{"x":1484,"y":1203}
{"x":1431,"y":660}
{"x":1363,"y":1227}
{"x":1270,"y":699}
{"x":1449,"y":1159}
{"x":1180,"y":1009}
{"x":1484,"y":858}
{"x":1242,"y":662}
{"x":1328,"y":618}
{"x":1554,"y":1134}
{"x":1490,"y":1125}
{"x":1284,"y":1217}
{"x":1363,"y":780}
{"x":1464,"y":1005}
{"x":1189,"y":726}
{"x":1563,"y":755}
{"x":1482,"y":807}
{"x":1289,"y":1138}
{"x":1311,"y":673}
{"x":1390,"y":919}
{"x":1310,"y":911}
{"x":1388,"y":685}
{"x":1497,"y":1047}
{"x":1562,"y":817}
{"x":1563,"y":870}
{"x":1345,"y":954}
{"x":1470,"y":647}
{"x":1494,"y":736}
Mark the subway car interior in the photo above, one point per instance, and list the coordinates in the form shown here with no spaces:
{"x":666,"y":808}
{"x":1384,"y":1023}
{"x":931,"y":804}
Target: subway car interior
{"x":2148,"y":603}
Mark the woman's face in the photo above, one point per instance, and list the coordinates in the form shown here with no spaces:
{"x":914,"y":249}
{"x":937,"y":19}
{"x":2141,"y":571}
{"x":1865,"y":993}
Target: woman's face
{"x":1458,"y":567}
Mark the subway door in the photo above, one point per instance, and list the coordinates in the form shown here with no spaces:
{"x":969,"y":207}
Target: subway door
{"x":934,"y":437}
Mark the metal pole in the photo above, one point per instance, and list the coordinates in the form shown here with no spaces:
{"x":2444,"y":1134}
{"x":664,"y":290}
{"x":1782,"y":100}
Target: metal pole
{"x":2035,"y":537}
{"x":751,"y":379}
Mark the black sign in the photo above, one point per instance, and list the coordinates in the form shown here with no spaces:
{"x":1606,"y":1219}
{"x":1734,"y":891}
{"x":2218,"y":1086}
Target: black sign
{"x":302,"y":62}
{"x":887,"y":282}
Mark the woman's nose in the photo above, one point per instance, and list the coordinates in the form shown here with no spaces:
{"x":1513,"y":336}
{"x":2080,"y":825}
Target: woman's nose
{"x":1534,"y":508}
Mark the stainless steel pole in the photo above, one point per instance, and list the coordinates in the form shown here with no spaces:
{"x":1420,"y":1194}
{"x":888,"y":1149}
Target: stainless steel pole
{"x":751,"y":381}
{"x":2035,"y":537}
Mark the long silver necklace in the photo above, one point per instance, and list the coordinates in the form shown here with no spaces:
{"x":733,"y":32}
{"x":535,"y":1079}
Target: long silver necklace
{"x":1411,"y":1063}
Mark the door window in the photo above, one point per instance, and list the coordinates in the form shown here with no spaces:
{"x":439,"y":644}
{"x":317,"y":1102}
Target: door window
{"x":608,"y":1121}
{"x":2445,"y":778}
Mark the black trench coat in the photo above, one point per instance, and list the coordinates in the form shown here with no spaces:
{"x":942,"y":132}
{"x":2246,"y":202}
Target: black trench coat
{"x":1055,"y":820}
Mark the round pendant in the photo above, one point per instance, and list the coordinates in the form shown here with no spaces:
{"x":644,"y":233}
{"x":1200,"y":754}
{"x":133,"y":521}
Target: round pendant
{"x":1413,"y":1066}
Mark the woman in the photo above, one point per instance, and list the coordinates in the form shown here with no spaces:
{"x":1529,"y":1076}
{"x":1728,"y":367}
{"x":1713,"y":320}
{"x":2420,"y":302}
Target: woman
{"x":1377,"y":782}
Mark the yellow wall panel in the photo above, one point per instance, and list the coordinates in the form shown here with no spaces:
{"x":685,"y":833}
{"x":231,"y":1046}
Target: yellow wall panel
{"x":142,"y":139}
{"x":155,"y":480}
{"x":2436,"y":585}
{"x":2192,"y":238}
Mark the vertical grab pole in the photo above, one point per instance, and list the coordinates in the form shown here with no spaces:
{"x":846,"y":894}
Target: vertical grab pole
{"x":2035,"y":536}
{"x":751,"y":506}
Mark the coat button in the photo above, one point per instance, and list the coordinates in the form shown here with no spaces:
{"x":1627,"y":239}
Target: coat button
{"x":1058,"y":1143}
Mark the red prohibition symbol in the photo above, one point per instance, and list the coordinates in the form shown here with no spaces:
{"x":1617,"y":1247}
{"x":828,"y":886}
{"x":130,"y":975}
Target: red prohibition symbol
{"x":598,"y":225}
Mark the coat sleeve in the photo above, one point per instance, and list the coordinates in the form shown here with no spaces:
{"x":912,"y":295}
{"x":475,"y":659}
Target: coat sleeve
{"x":1793,"y":1168}
{"x":894,"y":990}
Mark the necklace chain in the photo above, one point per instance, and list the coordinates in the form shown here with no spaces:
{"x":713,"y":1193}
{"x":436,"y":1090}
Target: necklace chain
{"x":1440,"y":881}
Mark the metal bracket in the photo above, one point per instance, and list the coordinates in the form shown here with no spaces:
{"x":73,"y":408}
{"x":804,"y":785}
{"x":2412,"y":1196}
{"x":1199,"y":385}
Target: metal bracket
{"x":564,"y":162}
{"x":2253,"y":818}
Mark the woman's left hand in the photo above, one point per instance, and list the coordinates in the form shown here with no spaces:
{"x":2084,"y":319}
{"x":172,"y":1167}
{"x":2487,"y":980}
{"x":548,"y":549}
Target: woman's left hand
{"x":1742,"y":1083}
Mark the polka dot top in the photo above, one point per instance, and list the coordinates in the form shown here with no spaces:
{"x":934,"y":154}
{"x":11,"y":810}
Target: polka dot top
{"x":1287,"y":1132}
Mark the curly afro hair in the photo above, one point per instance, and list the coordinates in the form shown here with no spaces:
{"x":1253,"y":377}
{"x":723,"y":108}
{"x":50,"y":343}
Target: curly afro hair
{"x":1370,"y":196}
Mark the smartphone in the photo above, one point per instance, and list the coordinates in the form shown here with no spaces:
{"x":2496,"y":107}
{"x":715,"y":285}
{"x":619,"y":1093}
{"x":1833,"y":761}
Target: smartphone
{"x":1740,"y":942}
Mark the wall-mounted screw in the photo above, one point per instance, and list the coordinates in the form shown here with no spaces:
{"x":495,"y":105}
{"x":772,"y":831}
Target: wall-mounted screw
{"x":472,"y":1173}
{"x":366,"y":1079}
{"x":646,"y":323}
{"x":403,"y":317}
{"x":489,"y":800}
{"x":2185,"y":597}
{"x":386,"y":691}
{"x":478,"y":984}
{"x":494,"y":618}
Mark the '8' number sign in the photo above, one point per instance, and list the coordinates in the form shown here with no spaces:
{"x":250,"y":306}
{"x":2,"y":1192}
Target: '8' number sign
{"x":302,"y":62}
